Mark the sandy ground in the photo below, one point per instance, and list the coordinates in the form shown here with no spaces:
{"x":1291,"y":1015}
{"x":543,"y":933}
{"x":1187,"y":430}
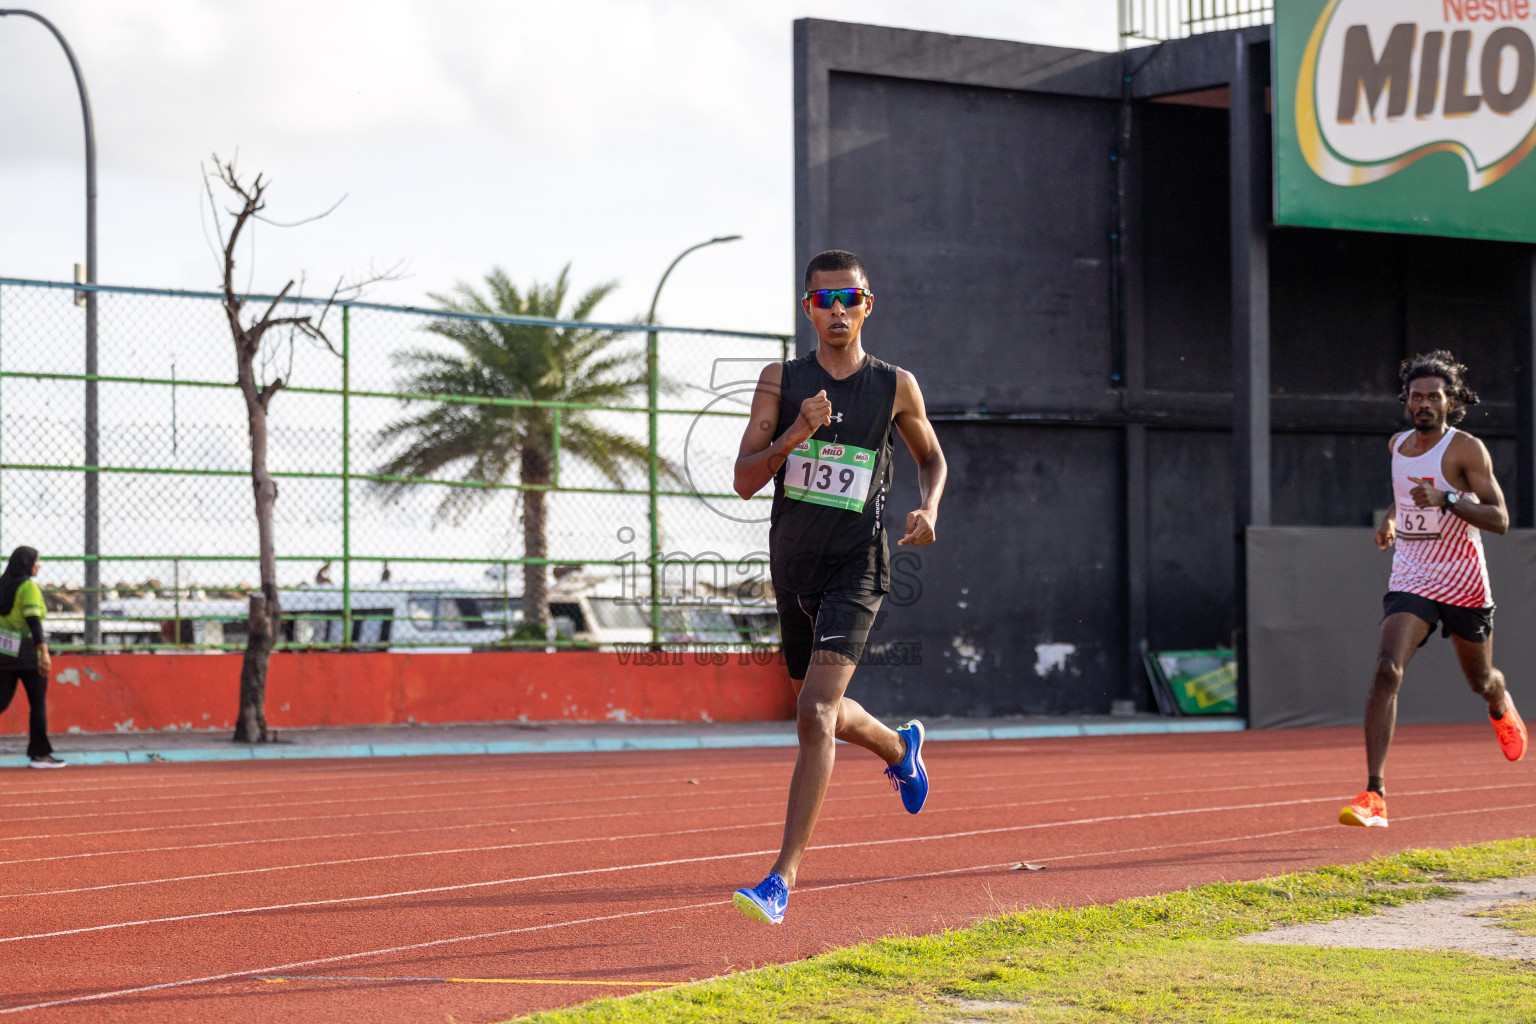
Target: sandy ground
{"x":1434,"y":924}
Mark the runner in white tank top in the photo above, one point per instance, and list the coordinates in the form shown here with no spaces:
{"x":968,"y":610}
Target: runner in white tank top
{"x":1439,"y":555}
{"x":1444,"y":496}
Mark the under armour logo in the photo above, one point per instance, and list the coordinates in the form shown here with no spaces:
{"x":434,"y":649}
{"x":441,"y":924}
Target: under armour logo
{"x":837,"y":417}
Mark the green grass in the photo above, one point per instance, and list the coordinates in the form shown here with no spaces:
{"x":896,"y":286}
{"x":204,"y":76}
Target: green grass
{"x":1169,"y":959}
{"x":1516,"y":915}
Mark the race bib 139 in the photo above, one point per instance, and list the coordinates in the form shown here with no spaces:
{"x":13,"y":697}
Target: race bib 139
{"x":826,"y":473}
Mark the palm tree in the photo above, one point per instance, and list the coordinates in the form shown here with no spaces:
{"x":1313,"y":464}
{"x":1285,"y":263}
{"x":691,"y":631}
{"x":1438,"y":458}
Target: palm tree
{"x":482,"y":443}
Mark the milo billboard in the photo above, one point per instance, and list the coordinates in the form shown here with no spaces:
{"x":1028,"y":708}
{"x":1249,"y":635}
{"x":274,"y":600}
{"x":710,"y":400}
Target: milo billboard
{"x":1406,"y":115}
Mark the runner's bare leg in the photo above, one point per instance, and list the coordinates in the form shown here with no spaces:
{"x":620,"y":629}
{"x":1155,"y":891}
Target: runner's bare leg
{"x":1401,"y":634}
{"x":1477,"y":664}
{"x":862,"y":729}
{"x":823,"y":716}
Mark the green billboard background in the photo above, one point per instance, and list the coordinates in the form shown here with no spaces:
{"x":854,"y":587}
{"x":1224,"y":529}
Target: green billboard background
{"x":1429,"y":197}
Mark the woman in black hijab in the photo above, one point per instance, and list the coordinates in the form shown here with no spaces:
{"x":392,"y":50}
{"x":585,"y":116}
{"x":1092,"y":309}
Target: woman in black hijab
{"x":24,"y":654}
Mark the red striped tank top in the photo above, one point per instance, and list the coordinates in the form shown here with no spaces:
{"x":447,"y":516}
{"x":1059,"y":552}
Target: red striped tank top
{"x":1438,"y":555}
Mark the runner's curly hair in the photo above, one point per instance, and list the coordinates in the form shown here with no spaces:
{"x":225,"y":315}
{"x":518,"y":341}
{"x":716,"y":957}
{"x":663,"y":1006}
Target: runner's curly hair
{"x":1442,"y":364}
{"x":835,"y":259}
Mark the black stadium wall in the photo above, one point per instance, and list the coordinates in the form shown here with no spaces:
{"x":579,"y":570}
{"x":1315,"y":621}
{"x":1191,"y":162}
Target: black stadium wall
{"x":1049,"y":235}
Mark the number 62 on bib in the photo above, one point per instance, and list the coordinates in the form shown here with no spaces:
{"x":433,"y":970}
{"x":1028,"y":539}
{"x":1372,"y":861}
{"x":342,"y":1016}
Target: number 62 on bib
{"x":824,"y":473}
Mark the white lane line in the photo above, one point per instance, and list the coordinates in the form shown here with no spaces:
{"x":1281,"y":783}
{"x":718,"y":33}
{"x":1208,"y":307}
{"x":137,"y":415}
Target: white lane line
{"x":432,"y":943}
{"x":386,"y":895}
{"x":397,"y":856}
{"x":366,"y":784}
{"x":53,"y":858}
{"x":384,"y":774}
{"x":411,"y":947}
{"x":234,"y":773}
{"x":1330,"y":827}
{"x":602,"y":839}
{"x":447,"y":777}
{"x":500,"y":805}
{"x":450,"y":777}
{"x":128,"y":851}
{"x":490,"y":883}
{"x":1289,"y":773}
{"x":773,"y":823}
{"x":776,"y":787}
{"x":651,"y":812}
{"x":504,"y":791}
{"x":1144,"y":814}
{"x":199,"y":774}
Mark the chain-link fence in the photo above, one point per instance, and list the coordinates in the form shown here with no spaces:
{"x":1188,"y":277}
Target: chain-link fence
{"x":368,"y":559}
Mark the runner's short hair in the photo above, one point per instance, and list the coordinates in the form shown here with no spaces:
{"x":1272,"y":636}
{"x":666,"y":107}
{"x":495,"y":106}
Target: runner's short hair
{"x":835,"y":259}
{"x":1442,"y":364}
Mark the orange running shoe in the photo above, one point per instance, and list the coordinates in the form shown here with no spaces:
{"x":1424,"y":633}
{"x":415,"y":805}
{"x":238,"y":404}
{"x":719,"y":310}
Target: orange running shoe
{"x":1368,"y":809}
{"x":1510,"y":730}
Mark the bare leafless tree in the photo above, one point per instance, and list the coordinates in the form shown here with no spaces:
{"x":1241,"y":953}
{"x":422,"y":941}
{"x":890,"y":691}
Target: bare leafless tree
{"x":256,"y":373}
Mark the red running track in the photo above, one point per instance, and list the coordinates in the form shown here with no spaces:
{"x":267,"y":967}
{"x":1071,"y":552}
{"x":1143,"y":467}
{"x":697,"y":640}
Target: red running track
{"x":353,"y":890}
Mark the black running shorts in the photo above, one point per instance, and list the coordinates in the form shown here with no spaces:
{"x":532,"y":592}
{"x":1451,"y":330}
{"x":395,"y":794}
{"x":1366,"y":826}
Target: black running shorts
{"x":838,"y":621}
{"x":1475,"y":625}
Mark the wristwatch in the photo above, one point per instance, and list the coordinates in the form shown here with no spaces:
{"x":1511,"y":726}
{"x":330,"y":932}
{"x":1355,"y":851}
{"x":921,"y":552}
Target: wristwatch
{"x":1451,"y":498}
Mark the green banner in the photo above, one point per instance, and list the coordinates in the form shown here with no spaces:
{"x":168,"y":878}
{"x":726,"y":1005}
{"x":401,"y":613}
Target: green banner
{"x":1194,"y":682}
{"x":1406,"y":115}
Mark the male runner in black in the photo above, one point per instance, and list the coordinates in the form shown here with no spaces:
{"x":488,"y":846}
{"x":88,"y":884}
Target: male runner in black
{"x":821,"y":430}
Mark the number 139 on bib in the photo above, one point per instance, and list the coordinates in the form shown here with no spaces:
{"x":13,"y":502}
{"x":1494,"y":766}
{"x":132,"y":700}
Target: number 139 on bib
{"x":824,"y":473}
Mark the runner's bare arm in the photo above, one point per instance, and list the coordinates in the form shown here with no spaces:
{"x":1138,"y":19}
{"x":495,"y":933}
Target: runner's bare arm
{"x":911,"y":417}
{"x":1386,"y":533}
{"x":1470,"y":457}
{"x":760,"y":456}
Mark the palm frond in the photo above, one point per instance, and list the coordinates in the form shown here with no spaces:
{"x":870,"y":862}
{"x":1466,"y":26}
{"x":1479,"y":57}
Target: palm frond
{"x":481,"y":443}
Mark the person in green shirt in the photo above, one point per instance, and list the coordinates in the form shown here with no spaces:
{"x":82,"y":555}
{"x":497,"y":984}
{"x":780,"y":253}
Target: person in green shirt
{"x":24,"y":654}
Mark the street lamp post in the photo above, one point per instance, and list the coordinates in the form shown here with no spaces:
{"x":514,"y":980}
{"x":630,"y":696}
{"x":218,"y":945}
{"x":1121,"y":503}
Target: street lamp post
{"x":653,"y":377}
{"x":92,"y":493}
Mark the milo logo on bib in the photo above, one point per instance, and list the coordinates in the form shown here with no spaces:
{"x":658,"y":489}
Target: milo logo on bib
{"x":822,"y":473}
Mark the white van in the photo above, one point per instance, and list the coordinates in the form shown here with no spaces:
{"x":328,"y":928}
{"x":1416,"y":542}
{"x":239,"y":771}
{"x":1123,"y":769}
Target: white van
{"x":431,"y":616}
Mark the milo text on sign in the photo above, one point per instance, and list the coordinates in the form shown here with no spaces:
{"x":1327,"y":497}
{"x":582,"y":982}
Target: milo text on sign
{"x":1384,"y":83}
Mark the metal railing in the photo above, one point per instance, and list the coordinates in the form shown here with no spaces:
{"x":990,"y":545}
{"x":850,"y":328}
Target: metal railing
{"x":1155,"y":21}
{"x":366,"y":559}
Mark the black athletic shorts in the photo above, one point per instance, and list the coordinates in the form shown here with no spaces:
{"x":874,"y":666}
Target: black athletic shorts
{"x":1474,"y":625}
{"x":838,"y":620}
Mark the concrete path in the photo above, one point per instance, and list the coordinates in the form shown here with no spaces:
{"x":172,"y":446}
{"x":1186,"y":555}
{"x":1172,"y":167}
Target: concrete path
{"x":550,"y":737}
{"x":1454,"y":923}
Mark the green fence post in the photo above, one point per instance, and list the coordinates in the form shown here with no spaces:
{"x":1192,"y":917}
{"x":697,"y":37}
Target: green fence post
{"x":653,"y":387}
{"x":346,"y":476}
{"x":554,"y":447}
{"x":176,"y":598}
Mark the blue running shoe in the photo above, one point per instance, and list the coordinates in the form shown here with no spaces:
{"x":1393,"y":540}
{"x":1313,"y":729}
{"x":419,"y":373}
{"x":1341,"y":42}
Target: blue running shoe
{"x":910,"y":776}
{"x":766,"y":902}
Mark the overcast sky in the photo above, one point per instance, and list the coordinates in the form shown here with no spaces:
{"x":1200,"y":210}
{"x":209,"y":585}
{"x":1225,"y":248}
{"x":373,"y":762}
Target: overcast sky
{"x":464,"y":133}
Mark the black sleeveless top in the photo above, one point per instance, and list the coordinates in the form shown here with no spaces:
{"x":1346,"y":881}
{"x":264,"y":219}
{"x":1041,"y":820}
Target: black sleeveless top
{"x":817,"y":547}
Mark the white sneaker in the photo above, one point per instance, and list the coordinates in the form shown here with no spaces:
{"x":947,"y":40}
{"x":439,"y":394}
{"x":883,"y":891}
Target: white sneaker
{"x":46,"y":761}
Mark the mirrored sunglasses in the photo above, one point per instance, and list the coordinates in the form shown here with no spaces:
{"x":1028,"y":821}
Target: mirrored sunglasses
{"x":849,"y":297}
